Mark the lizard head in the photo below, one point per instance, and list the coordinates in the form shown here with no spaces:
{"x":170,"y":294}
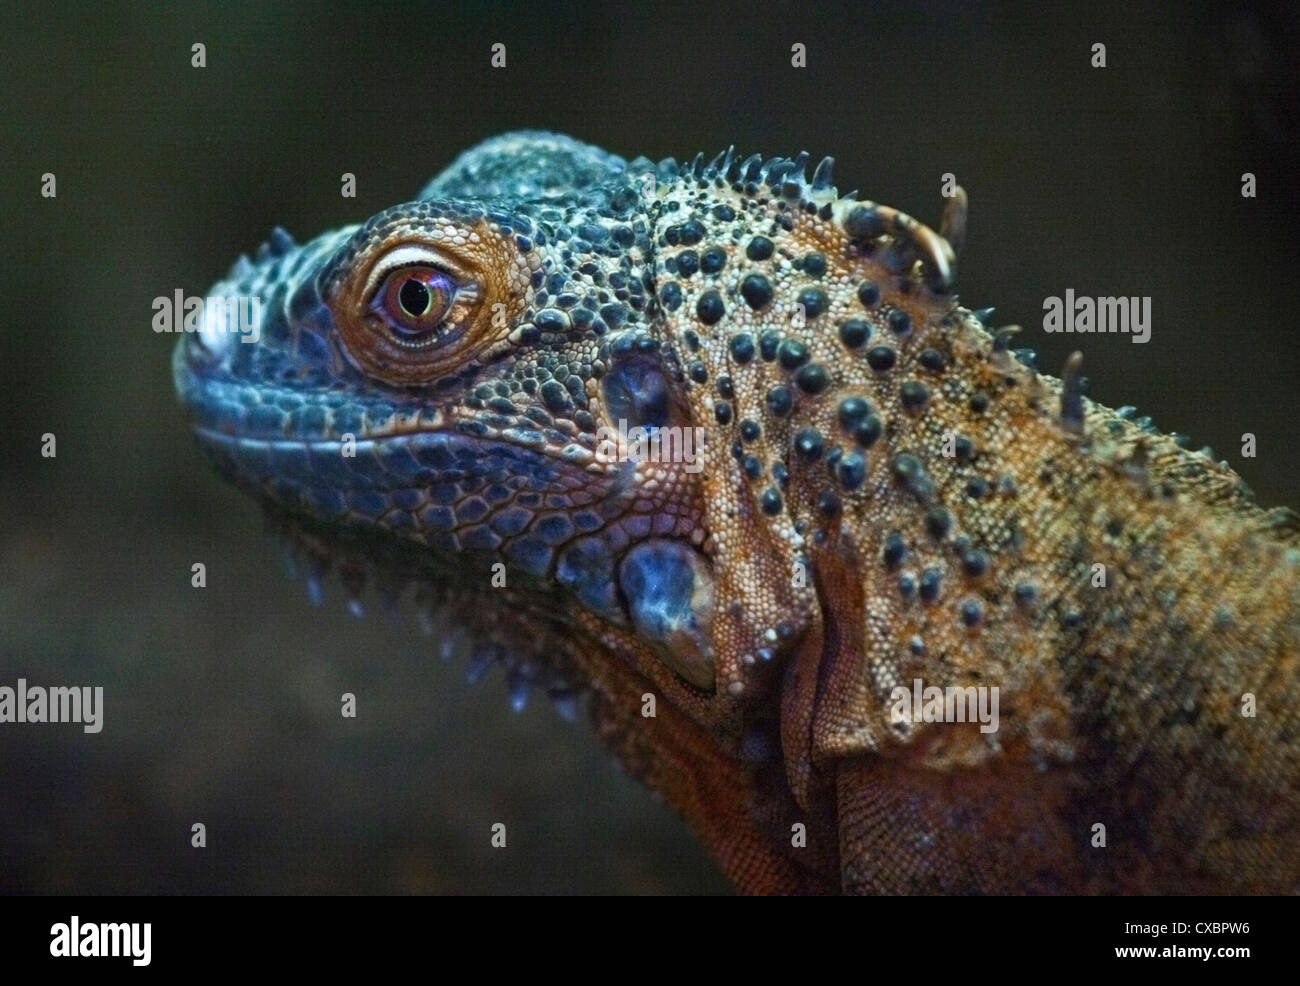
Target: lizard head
{"x":469,"y":390}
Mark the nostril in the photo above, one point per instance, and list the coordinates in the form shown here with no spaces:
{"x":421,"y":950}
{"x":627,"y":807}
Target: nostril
{"x":203,"y":349}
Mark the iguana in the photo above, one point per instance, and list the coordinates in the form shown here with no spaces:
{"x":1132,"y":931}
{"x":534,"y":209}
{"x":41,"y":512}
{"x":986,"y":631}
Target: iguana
{"x":715,"y":450}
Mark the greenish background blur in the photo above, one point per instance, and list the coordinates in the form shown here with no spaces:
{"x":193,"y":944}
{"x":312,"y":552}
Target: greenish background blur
{"x":222,"y":704}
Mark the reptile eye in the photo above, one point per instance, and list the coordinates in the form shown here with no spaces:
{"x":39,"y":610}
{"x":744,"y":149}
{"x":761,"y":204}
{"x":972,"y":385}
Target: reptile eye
{"x":414,"y":301}
{"x":409,"y":311}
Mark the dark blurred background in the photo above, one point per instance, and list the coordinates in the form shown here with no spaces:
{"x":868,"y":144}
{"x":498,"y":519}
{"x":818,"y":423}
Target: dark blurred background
{"x":222,"y":704}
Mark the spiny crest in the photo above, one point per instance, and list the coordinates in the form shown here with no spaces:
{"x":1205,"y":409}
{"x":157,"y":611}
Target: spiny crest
{"x":905,"y":240}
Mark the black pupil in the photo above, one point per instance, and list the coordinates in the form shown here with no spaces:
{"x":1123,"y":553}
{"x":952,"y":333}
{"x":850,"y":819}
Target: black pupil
{"x":415,"y":297}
